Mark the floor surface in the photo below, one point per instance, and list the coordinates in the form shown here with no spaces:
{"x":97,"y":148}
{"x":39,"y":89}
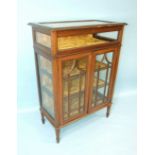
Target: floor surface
{"x":92,"y":135}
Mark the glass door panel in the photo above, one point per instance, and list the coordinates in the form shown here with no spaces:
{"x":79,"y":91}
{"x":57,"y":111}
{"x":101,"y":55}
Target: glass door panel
{"x":101,"y":79}
{"x":74,"y":87}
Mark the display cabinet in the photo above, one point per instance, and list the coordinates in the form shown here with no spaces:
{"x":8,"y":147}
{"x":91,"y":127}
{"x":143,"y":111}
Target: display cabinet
{"x":76,"y":66}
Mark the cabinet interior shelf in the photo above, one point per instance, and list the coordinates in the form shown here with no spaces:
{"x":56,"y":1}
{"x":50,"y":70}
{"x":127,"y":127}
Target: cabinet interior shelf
{"x":78,"y":41}
{"x":75,"y":86}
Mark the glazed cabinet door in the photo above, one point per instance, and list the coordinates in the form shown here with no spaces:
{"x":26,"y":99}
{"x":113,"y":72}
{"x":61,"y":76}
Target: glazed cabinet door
{"x":74,"y":86}
{"x":103,"y":72}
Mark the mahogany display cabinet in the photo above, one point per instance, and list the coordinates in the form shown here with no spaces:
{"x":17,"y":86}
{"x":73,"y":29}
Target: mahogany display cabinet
{"x":76,"y":66}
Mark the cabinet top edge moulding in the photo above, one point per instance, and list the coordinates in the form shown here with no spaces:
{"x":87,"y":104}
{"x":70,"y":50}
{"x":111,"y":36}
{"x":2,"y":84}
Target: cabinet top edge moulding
{"x":75,"y":24}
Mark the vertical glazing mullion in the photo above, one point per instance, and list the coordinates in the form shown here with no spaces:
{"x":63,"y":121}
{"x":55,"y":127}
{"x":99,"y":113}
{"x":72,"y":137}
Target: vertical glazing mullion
{"x":80,"y":84}
{"x":96,"y":93}
{"x":105,"y":84}
{"x":69,"y":86}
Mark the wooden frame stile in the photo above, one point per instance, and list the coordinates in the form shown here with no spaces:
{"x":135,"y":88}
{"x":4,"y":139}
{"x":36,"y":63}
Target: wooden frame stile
{"x":117,"y":52}
{"x":113,"y":77}
{"x":113,"y":74}
{"x":56,"y":85}
{"x":60,"y":91}
{"x":91,"y":80}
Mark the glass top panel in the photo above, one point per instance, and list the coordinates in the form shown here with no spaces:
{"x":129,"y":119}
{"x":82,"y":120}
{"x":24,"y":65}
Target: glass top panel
{"x":74,"y":24}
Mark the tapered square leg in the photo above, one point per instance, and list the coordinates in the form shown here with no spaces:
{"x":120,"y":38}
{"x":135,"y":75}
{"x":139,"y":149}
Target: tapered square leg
{"x":42,"y":118}
{"x":108,"y":111}
{"x":57,"y":130}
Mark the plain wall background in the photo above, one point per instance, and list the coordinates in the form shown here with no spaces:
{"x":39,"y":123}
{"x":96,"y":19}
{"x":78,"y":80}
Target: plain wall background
{"x":54,"y":10}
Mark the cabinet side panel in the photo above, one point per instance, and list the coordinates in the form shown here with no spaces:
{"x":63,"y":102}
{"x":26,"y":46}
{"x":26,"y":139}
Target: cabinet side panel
{"x":43,"y":39}
{"x":46,"y":85}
